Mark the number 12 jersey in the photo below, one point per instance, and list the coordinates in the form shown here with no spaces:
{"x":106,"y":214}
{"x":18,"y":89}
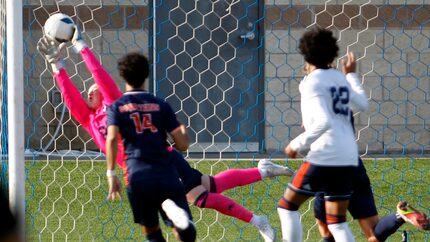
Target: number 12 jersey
{"x":327,"y":96}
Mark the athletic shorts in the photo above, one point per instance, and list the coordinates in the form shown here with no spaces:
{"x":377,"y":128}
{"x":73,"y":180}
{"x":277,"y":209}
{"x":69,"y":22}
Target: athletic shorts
{"x":189,"y":176}
{"x":147,"y":193}
{"x":334,"y":181}
{"x":361,"y":203}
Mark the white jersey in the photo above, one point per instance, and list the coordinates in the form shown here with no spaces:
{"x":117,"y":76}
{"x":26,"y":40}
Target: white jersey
{"x":326,"y":100}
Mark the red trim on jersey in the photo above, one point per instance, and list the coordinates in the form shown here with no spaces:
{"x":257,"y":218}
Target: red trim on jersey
{"x":125,"y":170}
{"x":300,"y":174}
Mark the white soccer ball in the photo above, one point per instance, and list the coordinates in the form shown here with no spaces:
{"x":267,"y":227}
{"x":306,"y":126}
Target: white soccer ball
{"x":59,"y":27}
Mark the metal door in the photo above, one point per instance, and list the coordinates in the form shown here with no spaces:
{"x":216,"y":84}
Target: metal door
{"x":209,"y":65}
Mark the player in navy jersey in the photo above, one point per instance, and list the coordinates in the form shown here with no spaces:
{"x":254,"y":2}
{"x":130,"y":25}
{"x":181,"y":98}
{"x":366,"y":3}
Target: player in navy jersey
{"x":143,"y":121}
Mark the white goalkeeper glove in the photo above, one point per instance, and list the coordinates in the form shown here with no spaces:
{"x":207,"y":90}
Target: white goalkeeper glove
{"x":51,"y":50}
{"x":77,"y":40}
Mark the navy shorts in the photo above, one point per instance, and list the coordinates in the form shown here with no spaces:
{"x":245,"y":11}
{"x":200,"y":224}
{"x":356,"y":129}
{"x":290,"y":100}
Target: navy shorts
{"x":361,"y":203}
{"x":148,"y":192}
{"x":334,"y":181}
{"x":189,"y":176}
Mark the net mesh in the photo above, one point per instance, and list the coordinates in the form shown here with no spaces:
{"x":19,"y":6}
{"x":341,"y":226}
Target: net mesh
{"x":231,"y":69}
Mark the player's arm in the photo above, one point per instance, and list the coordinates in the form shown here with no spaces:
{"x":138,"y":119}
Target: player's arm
{"x":72,"y":98}
{"x":320,"y":125}
{"x":177,"y":130}
{"x":321,"y":122}
{"x":111,"y":153}
{"x":105,"y":82}
{"x":358,"y":96}
{"x":180,"y":137}
{"x":111,"y":146}
{"x":79,"y":109}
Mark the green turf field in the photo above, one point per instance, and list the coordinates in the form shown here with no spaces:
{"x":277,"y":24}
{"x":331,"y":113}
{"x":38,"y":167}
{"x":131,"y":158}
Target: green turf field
{"x":66,"y":200}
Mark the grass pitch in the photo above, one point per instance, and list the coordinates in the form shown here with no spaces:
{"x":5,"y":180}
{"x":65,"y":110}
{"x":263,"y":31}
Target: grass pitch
{"x":66,"y":201}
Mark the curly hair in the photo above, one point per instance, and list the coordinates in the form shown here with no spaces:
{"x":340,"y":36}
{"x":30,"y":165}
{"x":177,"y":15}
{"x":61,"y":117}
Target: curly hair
{"x":319,"y":47}
{"x":134,"y":68}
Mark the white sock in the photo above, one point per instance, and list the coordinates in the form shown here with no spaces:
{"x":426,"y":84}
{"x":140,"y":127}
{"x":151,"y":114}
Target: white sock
{"x":254,"y":219}
{"x":290,"y":225}
{"x":341,"y":232}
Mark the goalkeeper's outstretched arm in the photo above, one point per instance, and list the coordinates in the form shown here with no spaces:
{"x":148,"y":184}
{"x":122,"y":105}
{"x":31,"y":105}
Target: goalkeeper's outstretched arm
{"x":79,"y":109}
{"x":104,"y":81}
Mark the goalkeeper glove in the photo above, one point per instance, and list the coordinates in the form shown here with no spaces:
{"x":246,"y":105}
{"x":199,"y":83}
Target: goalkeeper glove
{"x":77,"y":40}
{"x":51,"y":50}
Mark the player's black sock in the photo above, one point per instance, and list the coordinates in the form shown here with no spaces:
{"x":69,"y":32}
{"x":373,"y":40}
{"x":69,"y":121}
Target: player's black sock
{"x":329,"y":239}
{"x":188,"y":234}
{"x":387,"y":226}
{"x":156,"y":237}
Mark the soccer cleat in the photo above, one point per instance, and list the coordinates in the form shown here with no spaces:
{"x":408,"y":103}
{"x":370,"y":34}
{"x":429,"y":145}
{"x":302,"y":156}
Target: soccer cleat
{"x":413,"y":216}
{"x":263,"y":226}
{"x":270,"y":169}
{"x":177,"y":215}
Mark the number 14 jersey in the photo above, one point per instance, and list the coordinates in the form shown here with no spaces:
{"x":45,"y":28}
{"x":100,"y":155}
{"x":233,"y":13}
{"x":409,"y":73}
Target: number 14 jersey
{"x":144,"y":121}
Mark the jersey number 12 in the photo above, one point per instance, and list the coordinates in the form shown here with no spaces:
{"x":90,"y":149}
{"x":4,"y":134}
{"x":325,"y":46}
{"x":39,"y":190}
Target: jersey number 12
{"x":340,"y":97}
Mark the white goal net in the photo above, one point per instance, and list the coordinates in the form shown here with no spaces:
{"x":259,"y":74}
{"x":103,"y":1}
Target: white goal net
{"x":231,"y":70}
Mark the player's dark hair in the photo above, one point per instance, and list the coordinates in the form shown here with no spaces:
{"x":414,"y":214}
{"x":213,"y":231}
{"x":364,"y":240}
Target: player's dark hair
{"x":319,"y":47}
{"x":134,"y":68}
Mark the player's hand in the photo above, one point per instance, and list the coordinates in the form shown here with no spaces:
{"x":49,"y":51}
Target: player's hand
{"x":114,"y":188}
{"x":77,"y":40}
{"x":290,"y":152}
{"x":50,"y":49}
{"x":349,"y":65}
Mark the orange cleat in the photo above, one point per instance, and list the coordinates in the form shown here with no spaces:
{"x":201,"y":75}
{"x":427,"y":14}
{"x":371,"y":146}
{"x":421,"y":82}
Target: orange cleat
{"x":413,"y":216}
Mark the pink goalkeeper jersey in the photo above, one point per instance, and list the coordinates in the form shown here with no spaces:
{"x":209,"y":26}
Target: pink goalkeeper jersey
{"x":93,"y":121}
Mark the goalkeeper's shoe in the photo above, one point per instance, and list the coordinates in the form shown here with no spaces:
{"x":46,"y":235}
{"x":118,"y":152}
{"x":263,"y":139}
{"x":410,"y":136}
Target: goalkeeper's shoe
{"x":270,"y":169}
{"x":413,"y":216}
{"x":176,"y":214}
{"x":263,"y":226}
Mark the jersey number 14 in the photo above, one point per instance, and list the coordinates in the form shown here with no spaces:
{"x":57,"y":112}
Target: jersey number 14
{"x":143,"y":122}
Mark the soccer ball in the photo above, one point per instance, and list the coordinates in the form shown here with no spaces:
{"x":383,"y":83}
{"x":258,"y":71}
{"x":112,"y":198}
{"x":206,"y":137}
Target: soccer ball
{"x":59,"y":27}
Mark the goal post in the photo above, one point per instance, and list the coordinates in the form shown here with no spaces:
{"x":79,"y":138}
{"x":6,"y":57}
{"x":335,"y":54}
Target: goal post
{"x":15,"y":100}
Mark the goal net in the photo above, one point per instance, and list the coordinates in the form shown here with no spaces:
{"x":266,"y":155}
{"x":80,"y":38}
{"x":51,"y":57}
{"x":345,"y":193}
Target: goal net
{"x":231,"y":70}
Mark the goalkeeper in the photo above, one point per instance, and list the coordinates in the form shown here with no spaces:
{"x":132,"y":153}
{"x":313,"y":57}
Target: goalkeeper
{"x":202,"y":190}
